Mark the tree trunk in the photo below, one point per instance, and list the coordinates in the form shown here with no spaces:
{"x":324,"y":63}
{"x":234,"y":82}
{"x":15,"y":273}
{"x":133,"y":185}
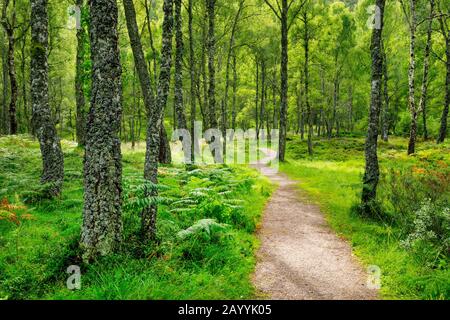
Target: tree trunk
{"x":178,"y":100}
{"x":274,"y":100}
{"x":156,"y":132}
{"x":257,"y":98}
{"x":308,"y":106}
{"x":79,"y":86}
{"x":235,"y":79}
{"x":335,"y":106}
{"x":385,"y":115}
{"x":211,"y":6}
{"x":52,"y":156}
{"x":263,"y":95}
{"x":411,"y":79}
{"x":165,"y":156}
{"x":9,"y":27}
{"x":444,"y":119}
{"x":5,"y":122}
{"x":205,"y":104}
{"x":180,"y":122}
{"x":138,"y":55}
{"x":284,"y":80}
{"x":372,"y":171}
{"x":426,"y":67}
{"x":152,"y":45}
{"x":350,"y":109}
{"x":300,"y":111}
{"x":192,"y":75}
{"x":164,"y":145}
{"x":230,"y":54}
{"x":26,"y":113}
{"x":102,"y":222}
{"x":133,"y":112}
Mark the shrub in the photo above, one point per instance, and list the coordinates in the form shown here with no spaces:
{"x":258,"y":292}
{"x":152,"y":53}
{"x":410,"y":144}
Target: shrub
{"x":430,"y":232}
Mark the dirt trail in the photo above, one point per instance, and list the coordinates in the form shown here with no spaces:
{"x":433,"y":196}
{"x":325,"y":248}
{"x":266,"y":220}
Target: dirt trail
{"x":300,"y":257}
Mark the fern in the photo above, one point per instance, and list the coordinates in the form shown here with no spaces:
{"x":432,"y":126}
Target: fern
{"x":142,"y":203}
{"x":209,"y":226}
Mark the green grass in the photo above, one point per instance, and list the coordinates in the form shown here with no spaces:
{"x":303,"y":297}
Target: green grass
{"x":332,"y":177}
{"x":35,"y":254}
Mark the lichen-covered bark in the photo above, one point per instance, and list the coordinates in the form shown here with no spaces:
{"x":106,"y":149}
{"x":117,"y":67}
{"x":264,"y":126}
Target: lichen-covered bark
{"x":372,"y":171}
{"x":102,"y":223}
{"x":52,"y":156}
{"x":9,"y":26}
{"x":155,"y":125}
{"x":79,"y":87}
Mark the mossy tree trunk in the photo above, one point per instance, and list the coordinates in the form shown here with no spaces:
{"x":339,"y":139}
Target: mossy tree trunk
{"x":155,"y":126}
{"x":372,"y":170}
{"x":9,"y":25}
{"x":5,"y":82}
{"x":52,"y":156}
{"x":102,"y":222}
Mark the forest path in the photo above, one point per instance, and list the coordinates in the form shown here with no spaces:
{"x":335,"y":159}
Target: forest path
{"x":300,"y":257}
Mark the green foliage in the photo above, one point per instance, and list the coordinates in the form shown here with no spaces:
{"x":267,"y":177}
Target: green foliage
{"x":213,"y":260}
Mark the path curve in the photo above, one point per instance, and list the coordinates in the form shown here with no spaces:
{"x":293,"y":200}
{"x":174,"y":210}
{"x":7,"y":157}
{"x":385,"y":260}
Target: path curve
{"x":300,"y":257}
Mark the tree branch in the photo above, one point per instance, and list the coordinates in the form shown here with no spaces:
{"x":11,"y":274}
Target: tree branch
{"x":273,"y":9}
{"x":296,"y":13}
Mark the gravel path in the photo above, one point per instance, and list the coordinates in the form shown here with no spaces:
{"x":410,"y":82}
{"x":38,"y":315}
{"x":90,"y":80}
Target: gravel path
{"x":300,"y":257}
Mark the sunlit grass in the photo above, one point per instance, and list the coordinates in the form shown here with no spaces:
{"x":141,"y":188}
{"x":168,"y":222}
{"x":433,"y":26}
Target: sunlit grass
{"x":335,"y":185}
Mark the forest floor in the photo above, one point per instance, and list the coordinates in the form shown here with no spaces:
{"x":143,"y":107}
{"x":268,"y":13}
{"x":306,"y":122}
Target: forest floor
{"x":300,"y":257}
{"x":39,"y":236}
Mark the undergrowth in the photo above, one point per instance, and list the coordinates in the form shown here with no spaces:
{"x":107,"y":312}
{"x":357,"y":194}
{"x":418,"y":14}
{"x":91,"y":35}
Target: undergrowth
{"x":206,"y":222}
